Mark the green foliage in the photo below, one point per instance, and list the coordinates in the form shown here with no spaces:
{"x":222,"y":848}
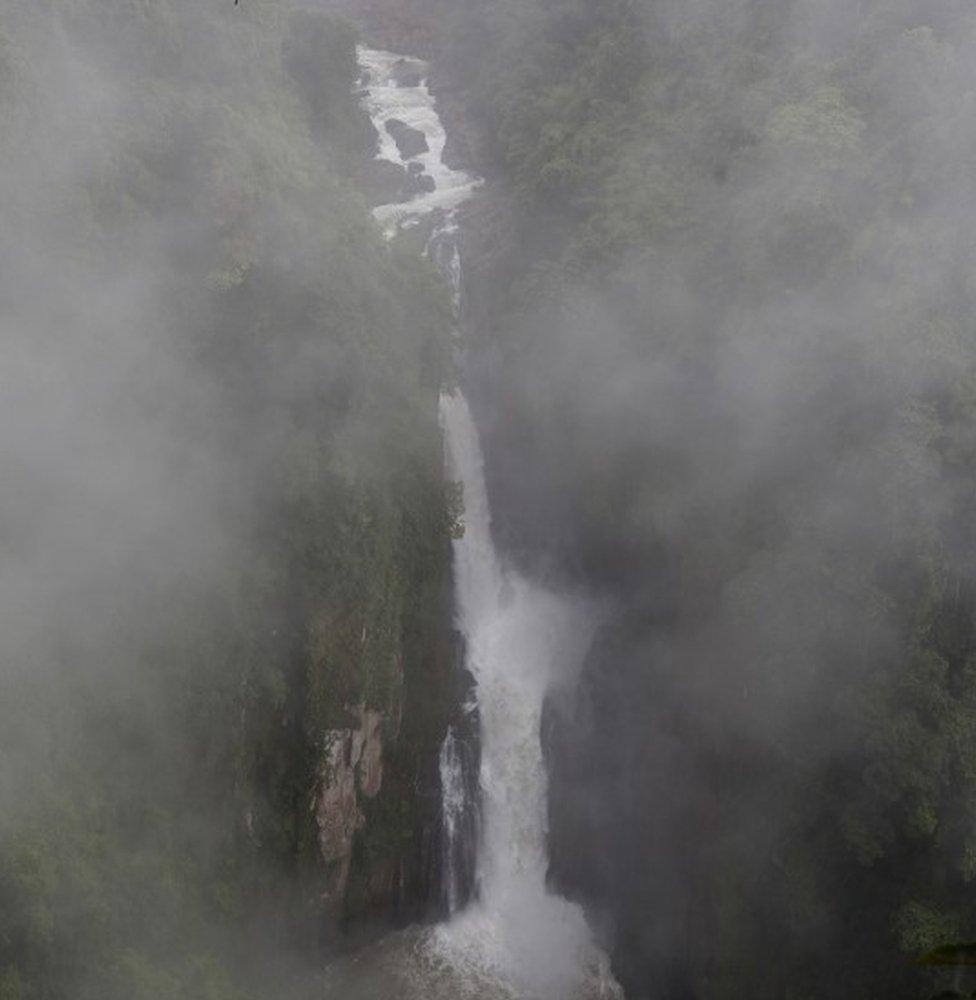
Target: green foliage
{"x":160,"y":742}
{"x":949,"y":954}
{"x":825,"y":127}
{"x":737,"y":363}
{"x":11,"y":985}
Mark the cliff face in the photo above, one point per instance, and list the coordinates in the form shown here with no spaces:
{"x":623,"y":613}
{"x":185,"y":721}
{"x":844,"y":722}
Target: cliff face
{"x":229,"y":665}
{"x":376,"y":796}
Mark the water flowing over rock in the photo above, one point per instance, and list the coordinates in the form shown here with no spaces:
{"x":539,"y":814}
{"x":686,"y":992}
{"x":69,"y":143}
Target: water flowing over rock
{"x":410,"y":141}
{"x":515,"y":940}
{"x":385,"y":99}
{"x":408,"y":72}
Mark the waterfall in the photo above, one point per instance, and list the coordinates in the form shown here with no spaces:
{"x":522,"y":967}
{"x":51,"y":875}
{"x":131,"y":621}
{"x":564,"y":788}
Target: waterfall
{"x":459,"y":815}
{"x":516,"y":939}
{"x":520,"y":640}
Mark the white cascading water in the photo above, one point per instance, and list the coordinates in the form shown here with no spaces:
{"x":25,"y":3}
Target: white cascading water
{"x":517,"y":941}
{"x":520,"y":640}
{"x":453,"y":805}
{"x":385,"y":100}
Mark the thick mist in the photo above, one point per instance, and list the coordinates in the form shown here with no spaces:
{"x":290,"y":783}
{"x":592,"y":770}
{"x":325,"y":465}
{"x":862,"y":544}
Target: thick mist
{"x":730,"y":389}
{"x":717,"y":315}
{"x":107,"y":488}
{"x":223,"y":520}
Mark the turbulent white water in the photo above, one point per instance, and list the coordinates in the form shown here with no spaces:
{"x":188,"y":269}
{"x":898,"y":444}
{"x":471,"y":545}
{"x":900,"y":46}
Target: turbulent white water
{"x":520,"y":640}
{"x":385,"y":100}
{"x":518,"y":941}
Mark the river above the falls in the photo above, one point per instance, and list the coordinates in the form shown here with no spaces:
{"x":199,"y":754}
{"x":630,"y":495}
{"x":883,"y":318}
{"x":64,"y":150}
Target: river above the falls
{"x":515,"y":940}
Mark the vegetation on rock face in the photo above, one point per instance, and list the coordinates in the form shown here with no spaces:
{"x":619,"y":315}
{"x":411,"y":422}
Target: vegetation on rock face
{"x":729,"y":370}
{"x":729,"y":348}
{"x":224,"y":522}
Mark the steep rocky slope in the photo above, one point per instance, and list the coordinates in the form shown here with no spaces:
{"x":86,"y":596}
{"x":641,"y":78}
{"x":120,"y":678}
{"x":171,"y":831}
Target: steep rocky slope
{"x":228,"y":658}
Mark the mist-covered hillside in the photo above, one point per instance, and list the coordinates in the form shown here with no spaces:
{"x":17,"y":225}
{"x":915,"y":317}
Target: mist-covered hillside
{"x":224,"y":526}
{"x":713,"y":312}
{"x":726,"y":377}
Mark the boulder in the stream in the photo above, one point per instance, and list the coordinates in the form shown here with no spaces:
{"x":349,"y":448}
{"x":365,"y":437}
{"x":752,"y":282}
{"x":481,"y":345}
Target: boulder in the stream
{"x":425,"y":183}
{"x":386,"y":183}
{"x":408,"y":73}
{"x":410,"y":141}
{"x":420,"y":181}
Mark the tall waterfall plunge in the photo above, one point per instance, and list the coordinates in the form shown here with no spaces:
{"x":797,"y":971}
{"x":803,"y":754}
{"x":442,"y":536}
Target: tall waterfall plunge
{"x":516,"y":940}
{"x":520,"y":639}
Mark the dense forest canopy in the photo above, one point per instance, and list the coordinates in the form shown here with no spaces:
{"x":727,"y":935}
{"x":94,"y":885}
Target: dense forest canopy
{"x":719,"y":310}
{"x":728,"y":379}
{"x":223,"y":518}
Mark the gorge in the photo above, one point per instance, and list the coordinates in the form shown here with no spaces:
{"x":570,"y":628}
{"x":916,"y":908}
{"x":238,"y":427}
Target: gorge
{"x":514,"y":938}
{"x":487,"y":499}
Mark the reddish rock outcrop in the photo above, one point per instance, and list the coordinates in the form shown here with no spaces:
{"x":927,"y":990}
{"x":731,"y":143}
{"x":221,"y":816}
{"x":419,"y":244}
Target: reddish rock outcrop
{"x":352,"y":766}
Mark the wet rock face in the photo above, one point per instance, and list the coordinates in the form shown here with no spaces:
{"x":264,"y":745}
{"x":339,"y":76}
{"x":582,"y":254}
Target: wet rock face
{"x":382,"y":181}
{"x":386,"y":183}
{"x":410,"y":141}
{"x":408,"y":73}
{"x":352,"y":767}
{"x":337,"y":807}
{"x":369,"y":769}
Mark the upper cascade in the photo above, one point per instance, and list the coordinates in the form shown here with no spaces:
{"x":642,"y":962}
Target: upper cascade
{"x":396,"y":96}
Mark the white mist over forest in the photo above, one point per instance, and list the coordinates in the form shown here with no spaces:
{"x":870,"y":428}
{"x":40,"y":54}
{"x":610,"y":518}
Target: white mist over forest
{"x":487,"y":499}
